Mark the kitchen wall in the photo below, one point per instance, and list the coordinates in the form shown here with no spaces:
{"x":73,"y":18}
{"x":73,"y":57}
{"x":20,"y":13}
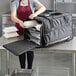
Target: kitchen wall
{"x":5,"y":7}
{"x":67,"y":7}
{"x":47,"y":3}
{"x":74,"y":0}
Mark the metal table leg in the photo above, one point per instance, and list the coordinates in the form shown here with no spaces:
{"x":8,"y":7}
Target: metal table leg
{"x":7,"y":64}
{"x":0,"y":62}
{"x":73,"y":63}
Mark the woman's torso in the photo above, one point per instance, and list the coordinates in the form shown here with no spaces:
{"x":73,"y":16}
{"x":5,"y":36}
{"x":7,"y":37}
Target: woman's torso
{"x":33,"y":4}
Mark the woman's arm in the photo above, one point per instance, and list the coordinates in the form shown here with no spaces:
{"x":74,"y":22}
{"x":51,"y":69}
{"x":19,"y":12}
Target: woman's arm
{"x":41,"y":8}
{"x":15,"y":19}
{"x":13,"y":5}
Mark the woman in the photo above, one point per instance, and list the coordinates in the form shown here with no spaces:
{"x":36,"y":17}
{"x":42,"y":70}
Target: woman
{"x":20,"y":11}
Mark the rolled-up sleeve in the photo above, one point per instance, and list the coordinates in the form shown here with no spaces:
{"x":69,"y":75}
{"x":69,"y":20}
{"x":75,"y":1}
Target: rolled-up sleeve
{"x":13,"y":5}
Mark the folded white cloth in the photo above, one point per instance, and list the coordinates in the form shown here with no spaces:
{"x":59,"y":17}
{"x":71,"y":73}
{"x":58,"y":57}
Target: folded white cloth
{"x":32,"y":23}
{"x":10,"y":29}
{"x":38,"y":26}
{"x":74,"y":15}
{"x":29,"y":24}
{"x":10,"y":35}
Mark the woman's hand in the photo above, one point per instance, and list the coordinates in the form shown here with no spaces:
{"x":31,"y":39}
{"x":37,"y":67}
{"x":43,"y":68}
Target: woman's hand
{"x":16,"y":20}
{"x":32,"y":16}
{"x":41,"y":9}
{"x":22,"y":24}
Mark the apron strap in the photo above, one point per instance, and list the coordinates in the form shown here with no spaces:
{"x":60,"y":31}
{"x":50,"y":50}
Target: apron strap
{"x":28,"y":2}
{"x":19,"y":2}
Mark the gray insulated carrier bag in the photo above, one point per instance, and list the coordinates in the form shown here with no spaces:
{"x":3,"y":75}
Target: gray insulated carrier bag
{"x":55,"y":27}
